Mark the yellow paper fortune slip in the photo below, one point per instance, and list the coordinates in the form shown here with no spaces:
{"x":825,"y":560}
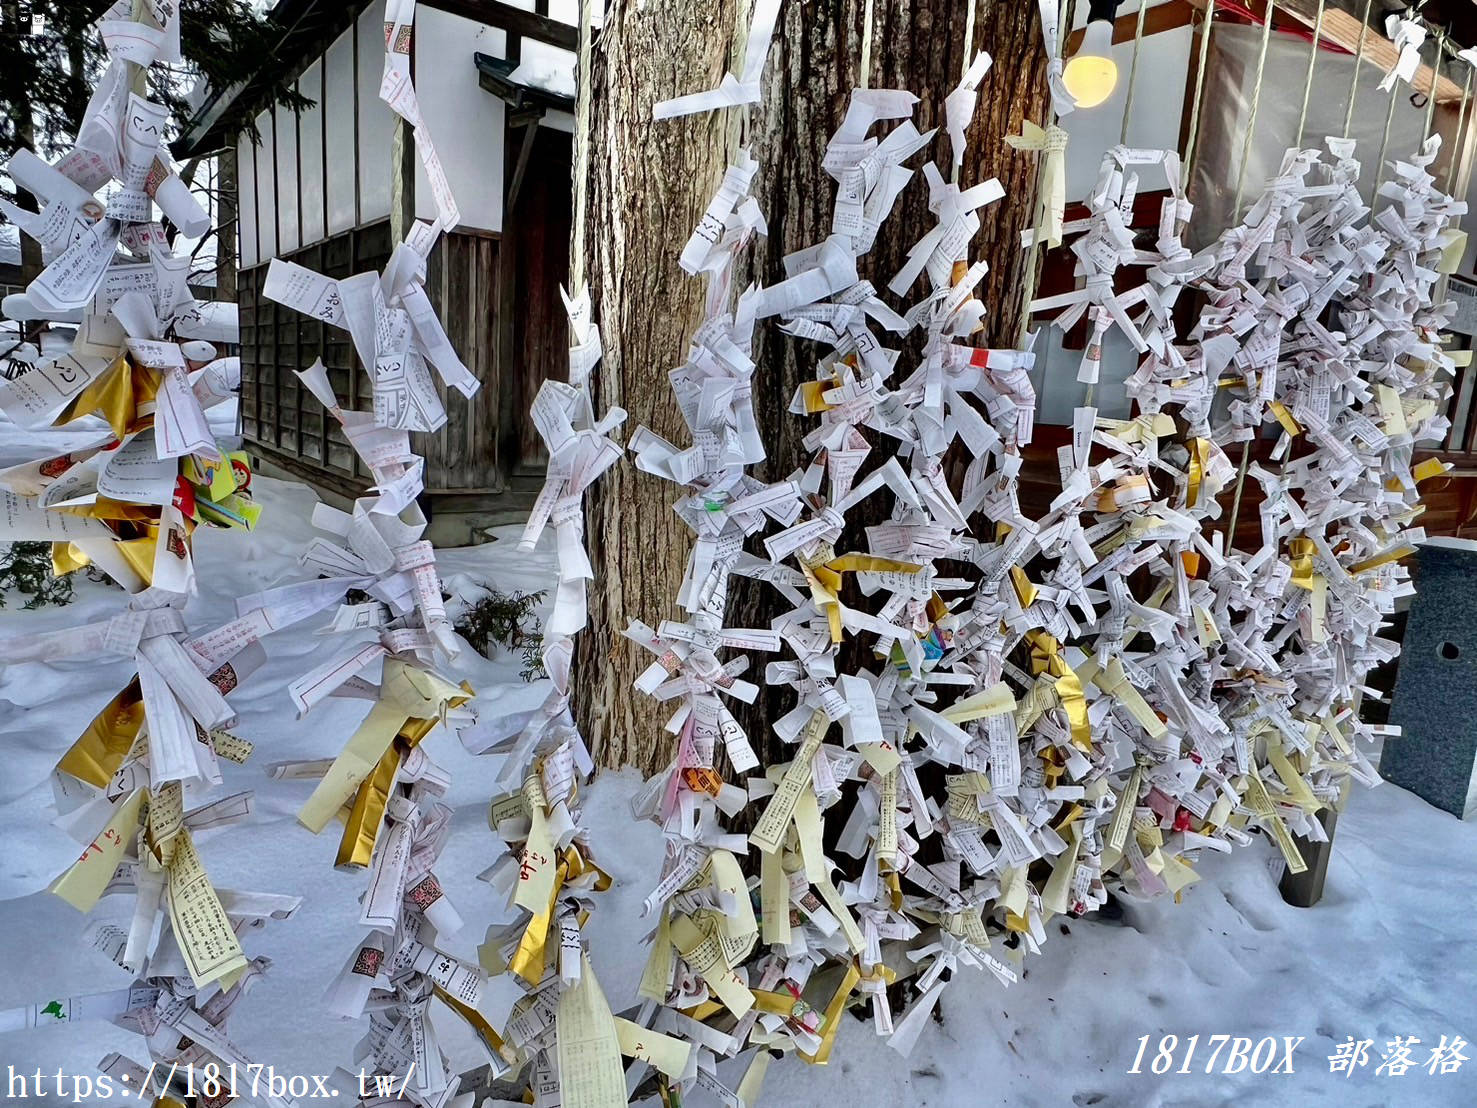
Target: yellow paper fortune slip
{"x":588,"y":1046}
{"x":737,"y":930}
{"x":166,"y":821}
{"x":656,"y":976}
{"x":201,"y":926}
{"x":704,"y":954}
{"x":1051,"y":142}
{"x":1291,"y":779}
{"x":537,"y":862}
{"x":663,"y":1052}
{"x":825,"y":572}
{"x":82,"y":885}
{"x":406,"y":692}
{"x":1123,"y":811}
{"x":774,"y":898}
{"x":1261,"y":804}
{"x":1046,"y":657}
{"x":366,"y":813}
{"x":886,"y":842}
{"x":354,"y":764}
{"x":1114,"y":681}
{"x":831,"y":1019}
{"x":1056,"y":896}
{"x":997,"y":700}
{"x":769,"y":833}
{"x":531,"y":955}
{"x":100,"y":750}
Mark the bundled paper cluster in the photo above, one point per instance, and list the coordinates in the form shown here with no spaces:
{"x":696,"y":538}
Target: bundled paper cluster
{"x":383,"y":785}
{"x":136,"y":469}
{"x":1042,"y":710}
{"x":133,"y":789}
{"x":992,"y":719}
{"x":139,"y":468}
{"x":821,"y":941}
{"x":382,"y":574}
{"x":545,"y":1003}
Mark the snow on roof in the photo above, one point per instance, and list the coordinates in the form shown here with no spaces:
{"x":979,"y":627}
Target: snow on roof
{"x":546,"y":74}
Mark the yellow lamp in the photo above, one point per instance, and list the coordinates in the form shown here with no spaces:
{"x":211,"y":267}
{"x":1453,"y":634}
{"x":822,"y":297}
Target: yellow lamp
{"x":1091,"y":75}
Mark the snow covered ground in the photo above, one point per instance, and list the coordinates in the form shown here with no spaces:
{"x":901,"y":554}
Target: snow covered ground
{"x":1390,"y":950}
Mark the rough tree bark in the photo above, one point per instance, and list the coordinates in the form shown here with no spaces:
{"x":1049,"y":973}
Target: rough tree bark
{"x":648,"y":184}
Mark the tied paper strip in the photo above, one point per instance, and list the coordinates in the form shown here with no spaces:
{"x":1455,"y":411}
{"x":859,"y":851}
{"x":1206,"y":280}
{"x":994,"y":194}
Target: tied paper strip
{"x":1408,"y":36}
{"x":1051,"y":144}
{"x":1061,"y":100}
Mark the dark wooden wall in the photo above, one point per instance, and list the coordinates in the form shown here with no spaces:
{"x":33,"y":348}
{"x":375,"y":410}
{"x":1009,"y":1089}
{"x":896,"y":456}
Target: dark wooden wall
{"x":536,"y":234}
{"x":498,"y":297}
{"x":278,"y":415}
{"x":461,"y":280}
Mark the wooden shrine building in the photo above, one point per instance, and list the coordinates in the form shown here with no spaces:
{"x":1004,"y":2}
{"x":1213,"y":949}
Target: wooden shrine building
{"x":335,"y":186}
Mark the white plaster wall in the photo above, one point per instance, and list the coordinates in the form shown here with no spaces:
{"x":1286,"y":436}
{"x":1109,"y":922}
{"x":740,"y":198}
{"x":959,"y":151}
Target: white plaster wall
{"x":466,"y":121}
{"x":310,"y":152}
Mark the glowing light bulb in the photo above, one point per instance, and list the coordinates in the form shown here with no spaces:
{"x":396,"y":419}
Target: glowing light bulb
{"x":1091,"y":75}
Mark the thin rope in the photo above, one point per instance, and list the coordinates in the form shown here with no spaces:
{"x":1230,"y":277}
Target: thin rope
{"x":1032,"y":255}
{"x":1133,"y":71}
{"x":1207,"y":23}
{"x":1256,"y":96}
{"x":1458,"y":142}
{"x":1038,"y":203}
{"x":968,"y":40}
{"x":1308,"y":80}
{"x":582,"y":149}
{"x":1358,"y":61}
{"x":964,"y":66}
{"x":1256,"y":99}
{"x":138,"y":74}
{"x":1379,"y":173}
{"x":866,"y":45}
{"x":1241,"y":471}
{"x":1436,"y":64}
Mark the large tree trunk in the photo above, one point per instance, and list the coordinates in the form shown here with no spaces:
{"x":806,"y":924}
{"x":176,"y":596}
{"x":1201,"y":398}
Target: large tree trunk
{"x":649,"y":183}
